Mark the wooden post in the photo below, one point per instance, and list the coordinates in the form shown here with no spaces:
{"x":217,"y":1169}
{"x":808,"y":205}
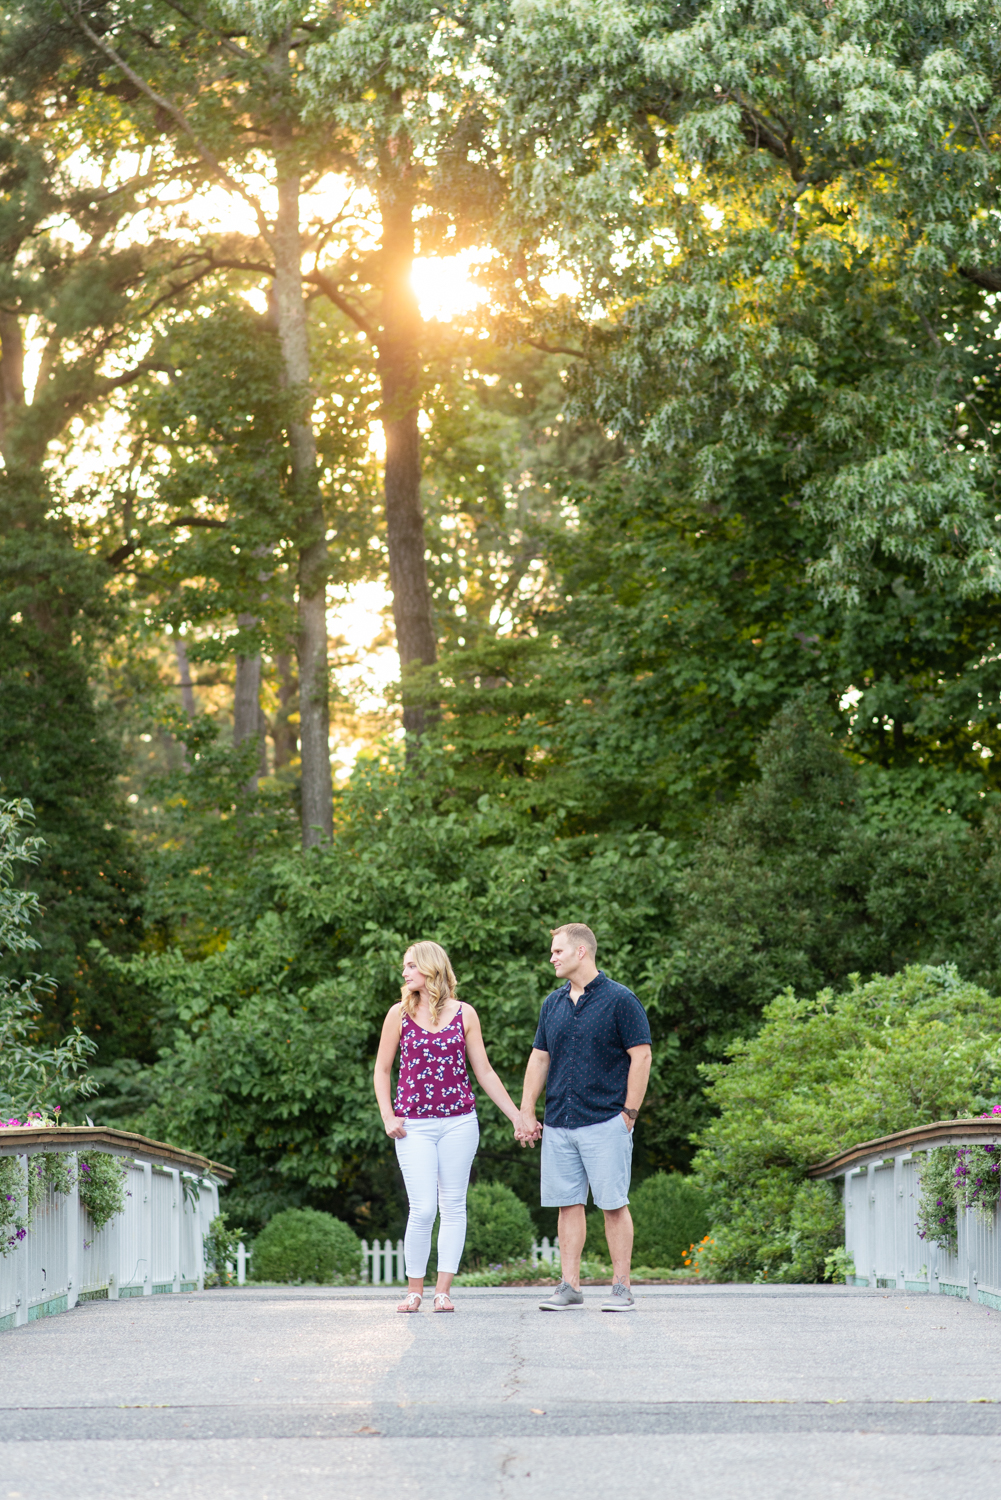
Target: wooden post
{"x":146,"y":1230}
{"x":177,"y":1202}
{"x":21,"y":1262}
{"x":899,"y":1224}
{"x":115,"y":1256}
{"x":72,"y":1211}
{"x":870,"y":1220}
{"x":200,"y":1237}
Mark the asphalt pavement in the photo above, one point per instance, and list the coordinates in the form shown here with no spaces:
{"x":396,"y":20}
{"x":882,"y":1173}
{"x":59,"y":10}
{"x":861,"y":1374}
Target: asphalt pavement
{"x":754,"y":1393}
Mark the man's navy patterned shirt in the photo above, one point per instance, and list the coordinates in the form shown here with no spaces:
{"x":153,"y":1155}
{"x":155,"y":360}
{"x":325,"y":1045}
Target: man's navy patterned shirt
{"x":587,"y":1045}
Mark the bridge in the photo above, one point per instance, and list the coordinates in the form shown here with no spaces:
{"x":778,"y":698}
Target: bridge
{"x":283,"y":1393}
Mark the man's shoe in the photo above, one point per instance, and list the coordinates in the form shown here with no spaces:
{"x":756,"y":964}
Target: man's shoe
{"x":563,"y":1297}
{"x":621,"y":1299}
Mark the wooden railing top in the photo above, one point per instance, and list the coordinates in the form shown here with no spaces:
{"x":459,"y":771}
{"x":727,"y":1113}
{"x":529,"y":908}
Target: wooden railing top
{"x":919,"y":1138}
{"x":121,"y":1142}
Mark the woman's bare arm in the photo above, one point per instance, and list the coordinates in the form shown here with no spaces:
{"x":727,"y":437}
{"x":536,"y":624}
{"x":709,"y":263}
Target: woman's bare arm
{"x":488,"y":1080}
{"x":388,"y":1045}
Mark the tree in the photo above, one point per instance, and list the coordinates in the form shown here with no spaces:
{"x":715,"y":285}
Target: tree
{"x":204,"y":493}
{"x":773,"y":223}
{"x":300,"y":97}
{"x":32,"y":1076}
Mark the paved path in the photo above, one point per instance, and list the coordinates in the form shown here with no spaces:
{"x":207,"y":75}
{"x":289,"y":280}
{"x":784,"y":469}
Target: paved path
{"x":738,"y":1393}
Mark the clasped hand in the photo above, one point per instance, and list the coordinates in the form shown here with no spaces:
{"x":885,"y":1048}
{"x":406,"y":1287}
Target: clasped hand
{"x":528,"y":1130}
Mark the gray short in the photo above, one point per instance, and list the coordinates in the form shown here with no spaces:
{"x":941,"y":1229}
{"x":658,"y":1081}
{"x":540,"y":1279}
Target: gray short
{"x":597,"y":1155}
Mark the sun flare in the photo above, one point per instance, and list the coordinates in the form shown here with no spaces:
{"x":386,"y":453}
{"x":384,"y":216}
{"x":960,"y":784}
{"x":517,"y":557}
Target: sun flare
{"x":445,"y":286}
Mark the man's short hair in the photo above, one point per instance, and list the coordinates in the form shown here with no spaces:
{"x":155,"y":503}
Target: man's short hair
{"x":578,"y":934}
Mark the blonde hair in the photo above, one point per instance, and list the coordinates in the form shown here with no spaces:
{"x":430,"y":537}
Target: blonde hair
{"x":579,"y":935}
{"x":439,"y":978}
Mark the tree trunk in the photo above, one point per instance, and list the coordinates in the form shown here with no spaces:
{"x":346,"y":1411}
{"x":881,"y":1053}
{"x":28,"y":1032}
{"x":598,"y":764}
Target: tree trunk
{"x":11,"y":379}
{"x":184,"y":676}
{"x":247,"y":702}
{"x":283,"y":735}
{"x":311,"y":645}
{"x":400,"y":376}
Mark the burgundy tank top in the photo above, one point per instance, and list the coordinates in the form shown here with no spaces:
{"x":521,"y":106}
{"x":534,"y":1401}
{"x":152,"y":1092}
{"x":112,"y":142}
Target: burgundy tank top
{"x":433,"y":1081}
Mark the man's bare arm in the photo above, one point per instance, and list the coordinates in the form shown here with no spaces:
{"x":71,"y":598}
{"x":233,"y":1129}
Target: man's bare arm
{"x":640,"y":1059}
{"x":536,"y":1074}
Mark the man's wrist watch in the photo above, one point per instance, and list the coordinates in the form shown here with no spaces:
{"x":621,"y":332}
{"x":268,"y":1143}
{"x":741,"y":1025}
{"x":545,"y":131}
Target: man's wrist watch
{"x":632,"y":1113}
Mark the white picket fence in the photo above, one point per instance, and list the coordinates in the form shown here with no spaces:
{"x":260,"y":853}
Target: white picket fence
{"x":383,"y":1264}
{"x":881,"y":1190}
{"x":154,"y":1246}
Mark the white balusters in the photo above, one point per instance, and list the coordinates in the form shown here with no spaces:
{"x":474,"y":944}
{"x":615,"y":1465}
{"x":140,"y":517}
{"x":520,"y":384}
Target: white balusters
{"x":545,"y":1251}
{"x":384,"y":1263}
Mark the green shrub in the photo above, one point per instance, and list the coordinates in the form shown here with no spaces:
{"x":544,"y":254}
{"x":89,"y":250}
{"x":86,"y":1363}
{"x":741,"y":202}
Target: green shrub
{"x":303,"y":1244}
{"x":498,"y":1228}
{"x":669,"y":1212}
{"x":221,"y":1245}
{"x":821,"y":1075}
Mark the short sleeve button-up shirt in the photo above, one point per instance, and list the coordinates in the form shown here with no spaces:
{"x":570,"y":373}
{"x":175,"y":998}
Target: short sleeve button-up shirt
{"x":588,"y":1050}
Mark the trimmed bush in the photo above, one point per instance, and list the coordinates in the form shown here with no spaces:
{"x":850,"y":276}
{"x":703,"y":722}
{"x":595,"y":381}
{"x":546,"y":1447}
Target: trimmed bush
{"x":669,"y":1214}
{"x":499,"y":1226}
{"x":303,"y":1244}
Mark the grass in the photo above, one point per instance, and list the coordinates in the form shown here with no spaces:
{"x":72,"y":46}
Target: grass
{"x":592,"y":1273}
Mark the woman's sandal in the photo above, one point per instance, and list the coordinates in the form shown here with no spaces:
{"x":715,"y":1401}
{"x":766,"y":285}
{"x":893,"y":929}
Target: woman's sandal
{"x":410,"y":1303}
{"x":443,"y":1302}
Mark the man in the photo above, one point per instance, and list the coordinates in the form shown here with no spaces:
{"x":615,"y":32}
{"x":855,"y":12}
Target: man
{"x":592,"y":1055}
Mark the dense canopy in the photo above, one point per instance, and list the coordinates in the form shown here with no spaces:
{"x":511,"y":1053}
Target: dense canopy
{"x":472,"y":467}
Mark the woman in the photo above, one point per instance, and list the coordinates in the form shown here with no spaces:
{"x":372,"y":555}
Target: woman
{"x":434,"y":1121}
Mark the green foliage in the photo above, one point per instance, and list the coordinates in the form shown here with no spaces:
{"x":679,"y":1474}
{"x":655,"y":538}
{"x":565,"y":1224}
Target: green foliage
{"x":957,"y":1177}
{"x":800,"y":882}
{"x":220,"y":1247}
{"x":46,"y":1169}
{"x":33,"y":1076}
{"x":978,"y":1179}
{"x":59,"y":750}
{"x":770,"y":473}
{"x":13,"y":1188}
{"x":839,"y":1265}
{"x":773,"y":324}
{"x":669,"y":1216}
{"x":513,"y":1273}
{"x":936,"y":1220}
{"x":303,"y":1244}
{"x":820,"y":1075}
{"x":687,"y":628}
{"x":269,"y":1060}
{"x":102,"y":1186}
{"x":498,"y":1226}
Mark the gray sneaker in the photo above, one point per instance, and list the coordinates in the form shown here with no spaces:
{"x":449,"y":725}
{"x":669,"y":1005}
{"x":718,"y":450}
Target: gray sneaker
{"x":621,"y":1299}
{"x":563,"y":1297}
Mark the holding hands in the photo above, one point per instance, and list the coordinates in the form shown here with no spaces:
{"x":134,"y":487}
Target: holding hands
{"x":527,"y":1128}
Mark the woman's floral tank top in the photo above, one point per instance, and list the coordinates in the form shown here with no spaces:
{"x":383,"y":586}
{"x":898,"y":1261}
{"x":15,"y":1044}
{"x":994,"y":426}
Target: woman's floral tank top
{"x":433,"y":1081}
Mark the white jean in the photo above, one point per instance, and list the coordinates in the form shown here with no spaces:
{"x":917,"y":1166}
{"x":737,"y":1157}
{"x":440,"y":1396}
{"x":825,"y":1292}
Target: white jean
{"x":435,"y":1157}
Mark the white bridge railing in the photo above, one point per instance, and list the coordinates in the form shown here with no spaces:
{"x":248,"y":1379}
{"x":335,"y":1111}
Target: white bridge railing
{"x":154,"y":1245}
{"x":881,"y":1202}
{"x":384,"y":1264}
